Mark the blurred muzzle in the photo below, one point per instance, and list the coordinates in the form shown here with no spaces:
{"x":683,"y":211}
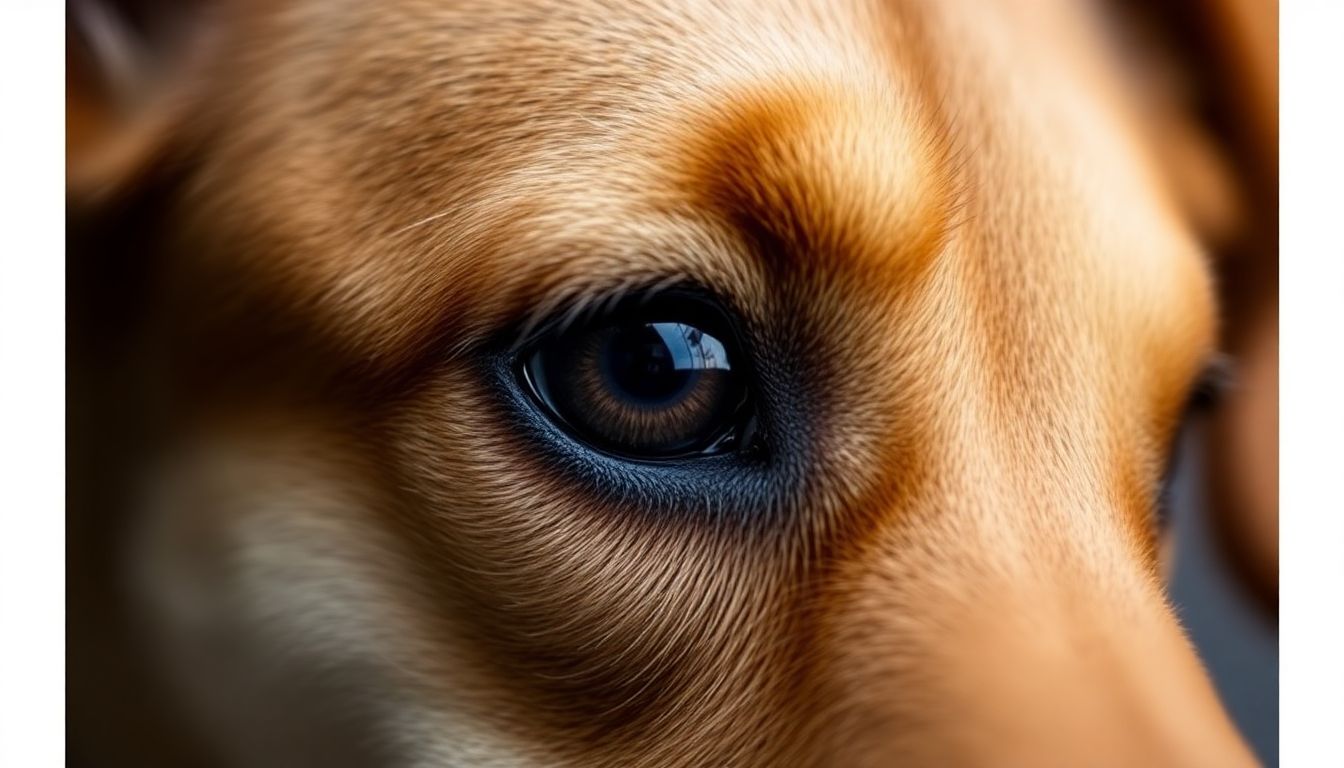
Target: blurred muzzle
{"x":985,"y":645}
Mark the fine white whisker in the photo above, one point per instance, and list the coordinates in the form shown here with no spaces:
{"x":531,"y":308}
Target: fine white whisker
{"x":421,"y":222}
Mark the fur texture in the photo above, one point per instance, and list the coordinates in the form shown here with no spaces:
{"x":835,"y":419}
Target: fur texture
{"x":975,"y":297}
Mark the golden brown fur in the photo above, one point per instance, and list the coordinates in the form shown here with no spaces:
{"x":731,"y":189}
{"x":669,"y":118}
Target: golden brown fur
{"x":953,"y":245}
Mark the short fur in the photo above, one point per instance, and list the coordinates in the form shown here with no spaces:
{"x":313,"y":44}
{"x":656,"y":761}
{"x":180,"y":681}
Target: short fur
{"x":978,"y":296}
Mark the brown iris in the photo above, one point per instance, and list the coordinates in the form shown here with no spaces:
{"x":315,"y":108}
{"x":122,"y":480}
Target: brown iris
{"x":640,"y":387}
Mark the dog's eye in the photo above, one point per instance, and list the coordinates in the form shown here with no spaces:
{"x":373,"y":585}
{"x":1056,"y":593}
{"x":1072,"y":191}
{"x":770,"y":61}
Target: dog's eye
{"x":1203,"y":398}
{"x":656,"y":383}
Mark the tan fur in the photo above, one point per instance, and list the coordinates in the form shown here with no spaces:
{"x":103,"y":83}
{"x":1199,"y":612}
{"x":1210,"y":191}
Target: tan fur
{"x":949,"y":237}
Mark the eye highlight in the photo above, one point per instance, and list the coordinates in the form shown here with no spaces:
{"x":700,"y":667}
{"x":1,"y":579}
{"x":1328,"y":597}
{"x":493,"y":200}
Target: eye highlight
{"x":657,"y":382}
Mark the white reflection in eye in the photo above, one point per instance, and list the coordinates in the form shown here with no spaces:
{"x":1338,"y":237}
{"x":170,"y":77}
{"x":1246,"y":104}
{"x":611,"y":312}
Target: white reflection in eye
{"x":691,"y":348}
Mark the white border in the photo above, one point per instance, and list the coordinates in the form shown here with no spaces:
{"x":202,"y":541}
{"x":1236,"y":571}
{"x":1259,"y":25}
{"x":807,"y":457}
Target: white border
{"x":32,"y":386}
{"x":1311,"y":383}
{"x":32,"y":578}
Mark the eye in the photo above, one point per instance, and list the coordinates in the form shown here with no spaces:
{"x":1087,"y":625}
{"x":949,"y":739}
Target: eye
{"x":1208,"y":390}
{"x":656,"y":382}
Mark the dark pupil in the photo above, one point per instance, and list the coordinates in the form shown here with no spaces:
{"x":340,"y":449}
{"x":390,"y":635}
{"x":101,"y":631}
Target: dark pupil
{"x":638,"y":363}
{"x":648,"y":389}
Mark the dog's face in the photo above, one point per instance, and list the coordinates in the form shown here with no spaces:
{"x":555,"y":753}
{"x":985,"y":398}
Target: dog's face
{"x":431,"y":500}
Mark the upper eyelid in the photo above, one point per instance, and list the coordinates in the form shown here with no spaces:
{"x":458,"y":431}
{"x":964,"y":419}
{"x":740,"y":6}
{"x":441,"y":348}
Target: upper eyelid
{"x":586,"y":301}
{"x":594,"y":300}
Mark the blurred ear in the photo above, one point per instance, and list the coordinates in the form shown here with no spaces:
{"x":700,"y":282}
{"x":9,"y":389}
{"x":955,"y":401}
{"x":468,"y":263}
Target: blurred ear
{"x":1206,"y":73}
{"x":130,"y":68}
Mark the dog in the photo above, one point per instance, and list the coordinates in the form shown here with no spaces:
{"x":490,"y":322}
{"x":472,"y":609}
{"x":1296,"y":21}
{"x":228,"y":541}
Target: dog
{"x":537,"y":383}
